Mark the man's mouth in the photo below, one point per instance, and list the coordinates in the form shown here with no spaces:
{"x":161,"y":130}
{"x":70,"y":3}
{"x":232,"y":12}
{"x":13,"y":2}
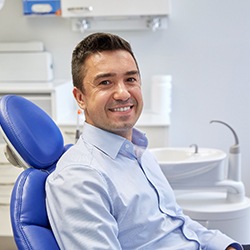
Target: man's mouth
{"x":121,"y":109}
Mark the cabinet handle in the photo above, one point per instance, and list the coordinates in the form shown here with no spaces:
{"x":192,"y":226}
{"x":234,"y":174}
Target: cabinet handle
{"x":4,"y":204}
{"x":7,"y":184}
{"x":69,"y":132}
{"x":80,"y":9}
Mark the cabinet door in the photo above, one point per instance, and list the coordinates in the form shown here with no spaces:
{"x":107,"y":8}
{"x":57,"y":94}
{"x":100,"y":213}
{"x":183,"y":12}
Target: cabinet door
{"x":112,"y":8}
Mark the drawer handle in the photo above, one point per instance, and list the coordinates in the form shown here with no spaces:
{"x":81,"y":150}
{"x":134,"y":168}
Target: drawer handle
{"x":4,"y":204}
{"x":80,"y":9}
{"x":7,"y":184}
{"x":5,"y":164}
{"x":69,"y":132}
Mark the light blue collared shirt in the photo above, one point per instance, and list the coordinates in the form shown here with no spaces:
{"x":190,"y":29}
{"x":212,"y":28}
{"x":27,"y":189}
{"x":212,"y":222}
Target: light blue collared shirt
{"x":110,"y":193}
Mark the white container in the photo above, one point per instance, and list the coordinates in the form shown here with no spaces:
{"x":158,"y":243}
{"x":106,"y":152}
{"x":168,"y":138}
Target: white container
{"x":26,"y":66}
{"x":161,"y":94}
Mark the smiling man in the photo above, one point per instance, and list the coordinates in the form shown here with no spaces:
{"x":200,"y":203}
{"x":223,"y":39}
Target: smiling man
{"x":108,"y":191}
{"x":111,"y":92}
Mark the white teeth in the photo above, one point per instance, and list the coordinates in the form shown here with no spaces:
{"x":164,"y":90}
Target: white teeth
{"x":121,"y":109}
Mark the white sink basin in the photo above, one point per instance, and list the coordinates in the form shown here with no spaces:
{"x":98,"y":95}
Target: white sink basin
{"x":184,"y":168}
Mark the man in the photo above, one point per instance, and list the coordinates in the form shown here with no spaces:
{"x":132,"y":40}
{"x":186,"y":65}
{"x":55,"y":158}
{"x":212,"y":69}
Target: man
{"x":108,"y":191}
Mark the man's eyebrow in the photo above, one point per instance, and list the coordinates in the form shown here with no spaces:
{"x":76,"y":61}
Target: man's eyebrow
{"x":104,"y":75}
{"x":132,"y":72}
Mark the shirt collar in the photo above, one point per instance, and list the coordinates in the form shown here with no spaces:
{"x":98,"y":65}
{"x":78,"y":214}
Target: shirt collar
{"x":111,"y":143}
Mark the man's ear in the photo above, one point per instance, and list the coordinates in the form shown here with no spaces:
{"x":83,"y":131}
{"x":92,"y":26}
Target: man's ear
{"x":79,"y":96}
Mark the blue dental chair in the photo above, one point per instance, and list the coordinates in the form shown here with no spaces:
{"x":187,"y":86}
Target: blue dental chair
{"x":35,"y":143}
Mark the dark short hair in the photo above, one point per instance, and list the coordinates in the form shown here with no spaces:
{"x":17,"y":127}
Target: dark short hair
{"x":94,"y":43}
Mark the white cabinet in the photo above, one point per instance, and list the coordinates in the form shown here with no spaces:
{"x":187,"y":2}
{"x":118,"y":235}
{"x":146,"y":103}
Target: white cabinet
{"x":8,"y":175}
{"x":158,"y":136}
{"x":114,"y":8}
{"x":54,"y":97}
{"x":116,"y":14}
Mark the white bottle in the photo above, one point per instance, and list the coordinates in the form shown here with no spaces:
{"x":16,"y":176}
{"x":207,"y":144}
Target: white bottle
{"x":161,"y":94}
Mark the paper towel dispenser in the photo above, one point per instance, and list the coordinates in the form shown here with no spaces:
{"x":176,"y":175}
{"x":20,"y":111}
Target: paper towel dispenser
{"x":116,"y":14}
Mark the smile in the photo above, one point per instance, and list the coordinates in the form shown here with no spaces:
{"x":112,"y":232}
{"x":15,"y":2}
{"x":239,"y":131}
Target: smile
{"x":123,"y":109}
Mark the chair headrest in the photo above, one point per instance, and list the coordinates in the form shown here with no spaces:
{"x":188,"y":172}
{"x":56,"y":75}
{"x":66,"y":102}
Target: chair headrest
{"x":30,"y":132}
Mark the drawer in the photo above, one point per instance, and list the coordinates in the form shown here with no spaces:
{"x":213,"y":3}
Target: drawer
{"x":5,"y":194}
{"x":9,"y":174}
{"x":7,"y":243}
{"x":69,"y":134}
{"x":112,"y":8}
{"x":5,"y":225}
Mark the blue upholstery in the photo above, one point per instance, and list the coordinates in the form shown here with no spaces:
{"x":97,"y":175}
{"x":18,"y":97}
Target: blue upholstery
{"x":31,"y":131}
{"x":34,"y":138}
{"x":29,"y":219}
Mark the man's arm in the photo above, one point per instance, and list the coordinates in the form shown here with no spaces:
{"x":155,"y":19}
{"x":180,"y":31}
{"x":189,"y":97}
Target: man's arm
{"x":79,"y":210}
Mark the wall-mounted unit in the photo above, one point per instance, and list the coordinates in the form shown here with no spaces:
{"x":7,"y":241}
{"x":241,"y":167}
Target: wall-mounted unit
{"x":41,"y":7}
{"x":116,"y":14}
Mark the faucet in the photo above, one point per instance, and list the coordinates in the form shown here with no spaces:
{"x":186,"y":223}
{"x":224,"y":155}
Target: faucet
{"x":234,"y":185}
{"x":234,"y":163}
{"x":195,"y":148}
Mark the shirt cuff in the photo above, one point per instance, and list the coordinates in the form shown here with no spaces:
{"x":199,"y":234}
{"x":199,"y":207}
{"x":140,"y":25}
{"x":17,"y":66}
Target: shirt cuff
{"x":237,"y":246}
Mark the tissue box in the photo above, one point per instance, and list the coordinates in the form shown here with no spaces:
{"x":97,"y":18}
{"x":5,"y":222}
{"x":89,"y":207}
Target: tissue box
{"x":42,"y":7}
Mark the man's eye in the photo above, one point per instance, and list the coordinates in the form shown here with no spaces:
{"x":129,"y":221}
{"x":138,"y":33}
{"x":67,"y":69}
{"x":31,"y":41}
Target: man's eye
{"x":131,"y":79}
{"x":105,"y":83}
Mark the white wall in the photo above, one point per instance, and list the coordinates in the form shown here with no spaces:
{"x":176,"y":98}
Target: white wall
{"x":206,"y":49}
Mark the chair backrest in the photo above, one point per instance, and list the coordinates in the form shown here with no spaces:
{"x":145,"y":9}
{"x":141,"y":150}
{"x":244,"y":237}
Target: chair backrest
{"x":35,"y":143}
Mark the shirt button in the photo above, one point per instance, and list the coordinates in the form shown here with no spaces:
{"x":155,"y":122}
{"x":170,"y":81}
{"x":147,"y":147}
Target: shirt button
{"x":127,"y":146}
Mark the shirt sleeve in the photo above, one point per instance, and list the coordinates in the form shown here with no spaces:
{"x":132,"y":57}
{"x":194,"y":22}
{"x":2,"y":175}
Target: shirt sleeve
{"x":79,"y":210}
{"x":210,"y":239}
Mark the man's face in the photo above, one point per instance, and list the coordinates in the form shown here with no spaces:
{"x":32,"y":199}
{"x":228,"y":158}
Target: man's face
{"x":112,"y":99}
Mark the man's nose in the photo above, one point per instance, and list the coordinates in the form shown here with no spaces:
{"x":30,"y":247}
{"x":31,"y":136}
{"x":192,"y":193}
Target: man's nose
{"x":121,"y":92}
